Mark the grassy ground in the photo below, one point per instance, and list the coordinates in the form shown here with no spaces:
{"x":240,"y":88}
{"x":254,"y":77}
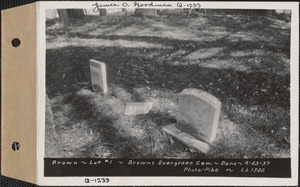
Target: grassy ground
{"x":243,"y":60}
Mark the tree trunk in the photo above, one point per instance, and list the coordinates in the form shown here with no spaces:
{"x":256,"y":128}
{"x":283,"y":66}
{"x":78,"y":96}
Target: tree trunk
{"x":269,"y":13}
{"x":63,"y":15}
{"x":75,"y":13}
{"x":146,"y":12}
{"x":103,"y":12}
{"x":124,"y":11}
{"x":66,"y":14}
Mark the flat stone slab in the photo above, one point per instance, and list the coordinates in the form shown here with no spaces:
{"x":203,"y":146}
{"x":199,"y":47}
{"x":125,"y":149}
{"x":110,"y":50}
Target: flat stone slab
{"x":136,"y":108}
{"x":98,"y":76}
{"x":186,"y":138}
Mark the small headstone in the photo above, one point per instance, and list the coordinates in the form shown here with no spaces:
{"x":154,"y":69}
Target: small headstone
{"x":138,"y":108}
{"x":198,"y":114}
{"x":98,"y":76}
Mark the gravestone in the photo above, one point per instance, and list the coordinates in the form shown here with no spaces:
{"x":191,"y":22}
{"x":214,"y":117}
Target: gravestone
{"x":198,"y":114}
{"x":197,"y":120}
{"x":98,"y":76}
{"x":53,"y":147}
{"x":138,"y":108}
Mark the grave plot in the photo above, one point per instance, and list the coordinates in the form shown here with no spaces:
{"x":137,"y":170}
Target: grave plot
{"x":240,"y":59}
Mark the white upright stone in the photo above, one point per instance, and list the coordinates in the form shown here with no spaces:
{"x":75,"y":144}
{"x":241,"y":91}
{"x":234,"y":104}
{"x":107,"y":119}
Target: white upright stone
{"x":98,"y":76}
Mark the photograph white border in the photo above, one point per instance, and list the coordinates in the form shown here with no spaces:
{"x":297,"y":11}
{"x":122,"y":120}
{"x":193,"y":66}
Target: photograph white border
{"x":223,"y":181}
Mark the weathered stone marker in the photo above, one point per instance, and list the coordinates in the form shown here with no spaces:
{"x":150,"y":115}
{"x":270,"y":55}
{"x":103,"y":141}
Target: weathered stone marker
{"x":53,"y":147}
{"x":138,"y":108}
{"x":98,"y":76}
{"x":198,"y":116}
{"x":199,"y":113}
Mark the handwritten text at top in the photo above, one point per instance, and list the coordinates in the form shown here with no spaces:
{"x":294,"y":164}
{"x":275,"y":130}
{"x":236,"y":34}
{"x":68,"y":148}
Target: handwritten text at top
{"x":98,"y":6}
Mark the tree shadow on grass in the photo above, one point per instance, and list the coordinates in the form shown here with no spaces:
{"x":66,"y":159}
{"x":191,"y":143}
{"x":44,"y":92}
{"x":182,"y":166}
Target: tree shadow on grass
{"x":113,"y":141}
{"x":283,"y":46}
{"x":66,"y":73}
{"x":101,"y":121}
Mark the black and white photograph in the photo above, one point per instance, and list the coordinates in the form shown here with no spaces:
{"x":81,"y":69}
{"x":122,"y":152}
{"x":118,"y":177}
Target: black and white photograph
{"x":159,"y":84}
